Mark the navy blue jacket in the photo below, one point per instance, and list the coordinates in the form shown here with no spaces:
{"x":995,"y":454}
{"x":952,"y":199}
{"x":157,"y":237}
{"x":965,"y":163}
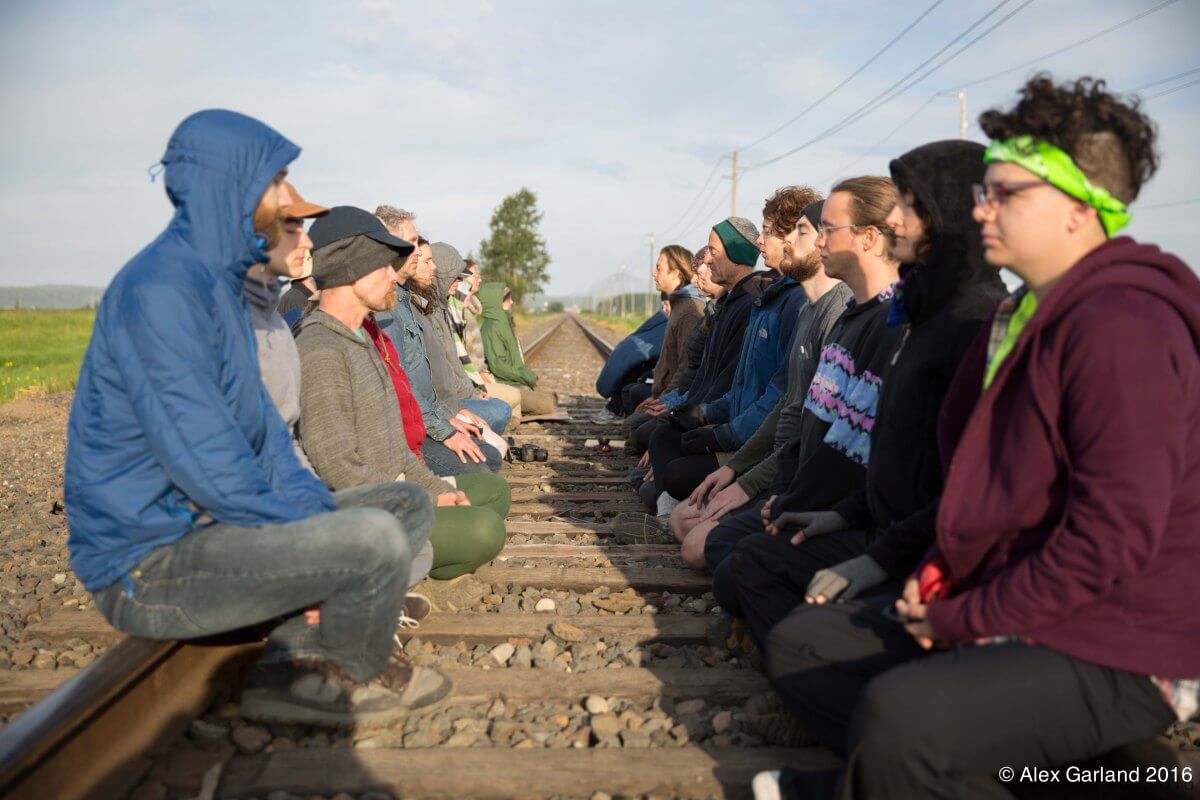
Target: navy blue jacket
{"x":761,"y":376}
{"x":642,"y":347}
{"x":171,"y":420}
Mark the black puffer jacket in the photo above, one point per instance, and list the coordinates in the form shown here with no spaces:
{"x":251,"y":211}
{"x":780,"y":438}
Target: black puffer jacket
{"x":941,"y":301}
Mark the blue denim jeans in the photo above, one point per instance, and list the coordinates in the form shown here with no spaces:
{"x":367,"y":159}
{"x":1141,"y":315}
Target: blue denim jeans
{"x":494,"y":411}
{"x":443,"y":461}
{"x":353,"y":562}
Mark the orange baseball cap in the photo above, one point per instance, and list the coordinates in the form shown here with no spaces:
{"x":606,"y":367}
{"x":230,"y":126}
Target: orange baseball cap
{"x":302,"y":209}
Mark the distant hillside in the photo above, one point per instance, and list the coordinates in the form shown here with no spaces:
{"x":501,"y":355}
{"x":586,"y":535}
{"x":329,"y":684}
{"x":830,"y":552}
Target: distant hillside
{"x":50,"y":296}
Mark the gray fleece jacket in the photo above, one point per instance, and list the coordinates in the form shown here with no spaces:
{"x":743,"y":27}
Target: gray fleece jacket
{"x":349,"y":415}
{"x":450,"y":381}
{"x":278,"y":360}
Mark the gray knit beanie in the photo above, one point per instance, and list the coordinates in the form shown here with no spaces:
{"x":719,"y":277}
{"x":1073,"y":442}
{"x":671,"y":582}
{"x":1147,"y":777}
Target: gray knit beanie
{"x":746,"y":228}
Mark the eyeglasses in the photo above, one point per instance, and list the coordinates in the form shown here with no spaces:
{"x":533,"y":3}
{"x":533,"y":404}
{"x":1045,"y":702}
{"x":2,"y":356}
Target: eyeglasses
{"x":825,"y":229}
{"x":993,"y":194}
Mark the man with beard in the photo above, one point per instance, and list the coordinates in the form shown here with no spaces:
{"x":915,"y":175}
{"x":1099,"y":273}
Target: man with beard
{"x":752,"y":468}
{"x":723,"y":424}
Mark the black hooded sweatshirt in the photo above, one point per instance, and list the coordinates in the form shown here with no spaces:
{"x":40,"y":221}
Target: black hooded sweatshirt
{"x":724,"y":345}
{"x":940,"y":303}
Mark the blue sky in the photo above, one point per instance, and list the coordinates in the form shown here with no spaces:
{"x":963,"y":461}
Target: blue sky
{"x":613,"y":113}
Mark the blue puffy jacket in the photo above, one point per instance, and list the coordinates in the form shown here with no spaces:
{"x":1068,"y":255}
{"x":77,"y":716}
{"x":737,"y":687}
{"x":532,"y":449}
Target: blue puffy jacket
{"x":761,"y":377}
{"x":171,"y":419}
{"x":643,"y":346}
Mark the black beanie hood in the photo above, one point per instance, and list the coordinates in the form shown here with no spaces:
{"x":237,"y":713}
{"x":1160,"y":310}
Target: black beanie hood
{"x":951,"y":265}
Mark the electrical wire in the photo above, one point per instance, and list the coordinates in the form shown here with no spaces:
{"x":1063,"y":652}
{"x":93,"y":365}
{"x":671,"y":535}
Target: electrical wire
{"x":1065,"y":49}
{"x":891,"y":93}
{"x":699,"y":194}
{"x":1161,"y":81}
{"x":846,"y":80}
{"x":1172,"y":204}
{"x":845,"y":169}
{"x":1157,"y":95}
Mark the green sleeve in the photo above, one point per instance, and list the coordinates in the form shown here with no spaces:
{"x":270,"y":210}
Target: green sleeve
{"x":760,"y":445}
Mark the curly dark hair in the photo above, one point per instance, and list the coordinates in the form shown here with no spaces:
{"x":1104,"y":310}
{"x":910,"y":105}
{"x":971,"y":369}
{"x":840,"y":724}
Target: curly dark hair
{"x":1107,"y":137}
{"x":782,"y":209}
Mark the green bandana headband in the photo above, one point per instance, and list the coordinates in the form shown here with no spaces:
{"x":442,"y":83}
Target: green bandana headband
{"x":1054,"y":166}
{"x":739,"y":250}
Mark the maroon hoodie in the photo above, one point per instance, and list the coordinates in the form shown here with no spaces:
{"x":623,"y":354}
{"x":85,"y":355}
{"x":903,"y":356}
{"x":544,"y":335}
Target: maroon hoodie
{"x":1071,"y":509}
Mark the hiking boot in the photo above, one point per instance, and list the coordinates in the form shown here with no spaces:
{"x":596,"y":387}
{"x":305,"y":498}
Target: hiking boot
{"x":631,"y":527}
{"x":416,"y":608}
{"x":769,"y":718}
{"x":320,"y":693}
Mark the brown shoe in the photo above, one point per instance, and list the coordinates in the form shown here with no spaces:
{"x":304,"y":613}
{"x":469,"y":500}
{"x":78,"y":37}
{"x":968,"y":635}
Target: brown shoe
{"x":769,"y":718}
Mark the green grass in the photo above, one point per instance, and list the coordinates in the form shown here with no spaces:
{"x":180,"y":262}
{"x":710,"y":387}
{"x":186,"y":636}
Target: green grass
{"x":41,"y":350}
{"x":620,"y":325}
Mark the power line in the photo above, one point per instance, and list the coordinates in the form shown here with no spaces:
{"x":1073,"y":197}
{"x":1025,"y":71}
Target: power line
{"x":704,"y":186}
{"x":1167,"y":205}
{"x":883,"y":98}
{"x":1161,"y":81}
{"x":1065,"y":49}
{"x":884,"y":140}
{"x":849,"y":78}
{"x":1157,"y":95}
{"x":699,"y":213}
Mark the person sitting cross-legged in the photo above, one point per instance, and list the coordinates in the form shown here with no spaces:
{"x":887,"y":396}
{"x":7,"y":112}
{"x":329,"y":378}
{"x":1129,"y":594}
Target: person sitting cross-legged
{"x":351,"y":419}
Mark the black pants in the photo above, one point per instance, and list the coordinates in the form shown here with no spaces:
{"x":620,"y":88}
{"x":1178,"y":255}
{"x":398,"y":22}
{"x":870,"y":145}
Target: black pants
{"x":768,"y":576}
{"x":675,"y":472}
{"x":627,"y":398}
{"x":914,"y":724}
{"x":720,"y":544}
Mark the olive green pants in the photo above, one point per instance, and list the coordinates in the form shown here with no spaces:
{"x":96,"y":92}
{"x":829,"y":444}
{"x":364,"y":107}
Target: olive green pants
{"x":465,"y":538}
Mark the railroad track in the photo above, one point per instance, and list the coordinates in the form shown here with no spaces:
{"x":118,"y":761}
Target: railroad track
{"x":581,"y":669}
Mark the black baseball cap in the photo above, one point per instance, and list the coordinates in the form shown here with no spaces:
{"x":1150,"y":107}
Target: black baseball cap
{"x":342,"y":222}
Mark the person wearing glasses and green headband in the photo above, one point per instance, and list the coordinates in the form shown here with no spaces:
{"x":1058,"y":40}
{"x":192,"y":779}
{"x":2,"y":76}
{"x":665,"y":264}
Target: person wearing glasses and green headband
{"x":1054,"y":619}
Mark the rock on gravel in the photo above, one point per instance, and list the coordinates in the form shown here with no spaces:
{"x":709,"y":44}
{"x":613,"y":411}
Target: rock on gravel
{"x":596,"y":705}
{"x":251,"y":739}
{"x":545,"y":604}
{"x":501,"y":653}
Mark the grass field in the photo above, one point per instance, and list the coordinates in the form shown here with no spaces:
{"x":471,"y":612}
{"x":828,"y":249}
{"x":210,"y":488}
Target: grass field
{"x":621,"y":326}
{"x":41,"y":350}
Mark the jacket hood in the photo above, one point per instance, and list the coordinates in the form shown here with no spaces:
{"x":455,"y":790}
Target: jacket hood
{"x":217,"y":166}
{"x":687,"y":290}
{"x":1124,"y":262}
{"x":448,"y":265}
{"x":491,"y":298}
{"x":951,"y":267}
{"x":262,"y":293}
{"x":779,"y":285}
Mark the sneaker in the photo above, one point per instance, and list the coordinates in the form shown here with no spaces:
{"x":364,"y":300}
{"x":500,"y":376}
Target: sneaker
{"x":772,"y":721}
{"x":606,"y":417}
{"x":766,"y":785}
{"x":416,"y":608}
{"x":320,"y":693}
{"x":632,"y":527}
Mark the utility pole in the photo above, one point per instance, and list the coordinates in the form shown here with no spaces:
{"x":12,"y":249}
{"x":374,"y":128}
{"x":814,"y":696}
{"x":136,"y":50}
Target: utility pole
{"x":733,"y":186}
{"x":962,"y":113}
{"x":621,"y":289}
{"x":653,"y":293}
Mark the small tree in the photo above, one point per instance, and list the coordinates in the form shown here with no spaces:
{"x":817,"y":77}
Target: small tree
{"x":514,"y":252}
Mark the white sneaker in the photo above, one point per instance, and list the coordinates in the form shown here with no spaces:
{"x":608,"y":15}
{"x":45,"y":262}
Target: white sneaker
{"x":766,"y":785}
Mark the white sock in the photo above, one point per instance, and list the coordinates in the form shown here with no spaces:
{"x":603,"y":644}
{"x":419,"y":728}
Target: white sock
{"x":666,"y":504}
{"x":766,"y":785}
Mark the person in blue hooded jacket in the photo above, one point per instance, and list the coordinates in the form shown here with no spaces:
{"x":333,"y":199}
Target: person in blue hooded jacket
{"x":632,"y":361}
{"x":189,"y":512}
